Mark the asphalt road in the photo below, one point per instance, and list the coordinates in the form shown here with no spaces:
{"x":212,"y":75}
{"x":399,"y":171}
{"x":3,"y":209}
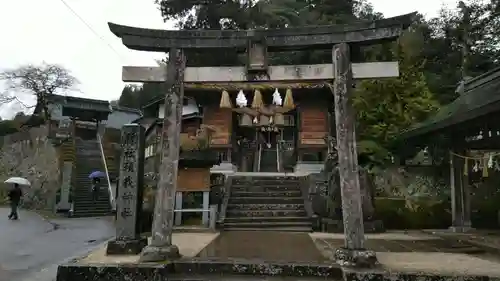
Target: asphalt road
{"x":32,"y":247}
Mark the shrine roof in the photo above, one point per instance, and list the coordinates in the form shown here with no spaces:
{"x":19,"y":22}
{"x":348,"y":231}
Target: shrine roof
{"x":76,"y":103}
{"x":324,"y":36}
{"x":126,"y":109}
{"x":481,"y":97}
{"x":86,"y":104}
{"x":153,"y":101}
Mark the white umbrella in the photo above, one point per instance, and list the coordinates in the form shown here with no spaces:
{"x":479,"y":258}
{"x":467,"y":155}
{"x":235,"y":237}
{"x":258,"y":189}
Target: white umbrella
{"x":19,"y":181}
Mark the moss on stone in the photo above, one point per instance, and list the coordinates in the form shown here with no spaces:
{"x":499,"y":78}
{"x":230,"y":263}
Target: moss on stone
{"x":395,"y":215}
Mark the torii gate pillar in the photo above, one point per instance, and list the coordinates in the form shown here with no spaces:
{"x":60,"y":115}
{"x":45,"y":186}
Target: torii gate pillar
{"x":161,"y":247}
{"x":354,"y":253}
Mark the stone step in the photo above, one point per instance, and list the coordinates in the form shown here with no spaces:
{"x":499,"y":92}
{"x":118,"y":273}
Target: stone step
{"x":265,"y":206}
{"x":266,"y":224}
{"x":87,"y":143}
{"x":92,"y":156}
{"x":101,"y":198}
{"x":89,"y":202}
{"x":91,"y":214}
{"x":87,"y":148}
{"x":265,"y":200}
{"x":91,"y":209}
{"x":274,"y":228}
{"x":264,"y":188}
{"x":85,"y":192}
{"x":264,"y":182}
{"x":89,"y":163}
{"x":291,"y":193}
{"x":84,"y":188}
{"x":88,"y":168}
{"x":240,"y":277}
{"x":241,"y":269}
{"x":88,"y":194}
{"x":90,"y":206}
{"x":87,"y":188}
{"x":265,"y":219}
{"x":265,"y":213}
{"x":87,"y":183}
{"x":257,"y":177}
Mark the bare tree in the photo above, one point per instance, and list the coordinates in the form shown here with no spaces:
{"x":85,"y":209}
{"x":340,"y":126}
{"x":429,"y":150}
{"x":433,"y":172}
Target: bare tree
{"x":39,"y":80}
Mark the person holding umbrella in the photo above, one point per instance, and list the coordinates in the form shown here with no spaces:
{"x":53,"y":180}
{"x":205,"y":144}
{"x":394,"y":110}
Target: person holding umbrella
{"x":15,"y":195}
{"x":95,"y":189}
{"x":95,"y":178}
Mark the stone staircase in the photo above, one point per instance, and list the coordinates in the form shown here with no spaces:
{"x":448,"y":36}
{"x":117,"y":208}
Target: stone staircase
{"x":266,"y":203}
{"x":88,"y":159}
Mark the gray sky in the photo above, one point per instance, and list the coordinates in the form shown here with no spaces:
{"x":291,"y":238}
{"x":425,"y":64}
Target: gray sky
{"x":34,"y":31}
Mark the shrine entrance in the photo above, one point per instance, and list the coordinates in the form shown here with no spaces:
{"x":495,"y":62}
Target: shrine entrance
{"x":258,"y":149}
{"x":268,"y":150}
{"x":86,"y":130}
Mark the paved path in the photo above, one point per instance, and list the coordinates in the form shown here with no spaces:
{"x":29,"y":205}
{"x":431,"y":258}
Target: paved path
{"x":264,"y":245}
{"x":32,"y":244}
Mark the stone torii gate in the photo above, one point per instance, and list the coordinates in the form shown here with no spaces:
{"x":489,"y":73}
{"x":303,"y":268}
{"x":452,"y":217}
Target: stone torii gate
{"x":257,"y":43}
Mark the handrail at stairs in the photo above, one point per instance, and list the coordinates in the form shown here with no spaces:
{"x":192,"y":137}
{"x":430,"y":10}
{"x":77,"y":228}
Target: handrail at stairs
{"x":112,"y":201}
{"x":305,"y":184}
{"x":225,"y":201}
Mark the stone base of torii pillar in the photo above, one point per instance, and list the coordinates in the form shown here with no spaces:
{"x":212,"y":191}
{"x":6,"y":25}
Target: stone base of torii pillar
{"x":355,"y":258}
{"x":162,"y":253}
{"x":126,"y":246}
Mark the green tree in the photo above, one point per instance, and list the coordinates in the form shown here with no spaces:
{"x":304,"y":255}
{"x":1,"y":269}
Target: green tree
{"x":39,"y":80}
{"x":385,"y":107}
{"x":8,"y":127}
{"x":134,"y":96}
{"x":444,"y":38}
{"x":235,"y":14}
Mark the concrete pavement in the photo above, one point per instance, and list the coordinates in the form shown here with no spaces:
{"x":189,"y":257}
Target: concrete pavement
{"x":33,"y":246}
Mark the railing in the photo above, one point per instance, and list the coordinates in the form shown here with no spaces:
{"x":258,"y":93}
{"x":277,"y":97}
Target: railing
{"x":259,"y":157}
{"x":278,"y":160}
{"x":305,"y":185}
{"x":227,"y":193}
{"x":111,"y":192}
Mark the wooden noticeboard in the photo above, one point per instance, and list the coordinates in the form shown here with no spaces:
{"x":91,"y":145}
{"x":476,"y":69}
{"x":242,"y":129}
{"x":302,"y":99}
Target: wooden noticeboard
{"x":221,"y":120}
{"x":193,"y":179}
{"x":313,"y":125}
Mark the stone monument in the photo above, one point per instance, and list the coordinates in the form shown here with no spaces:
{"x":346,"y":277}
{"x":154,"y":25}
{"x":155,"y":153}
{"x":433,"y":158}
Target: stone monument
{"x":129,"y":199}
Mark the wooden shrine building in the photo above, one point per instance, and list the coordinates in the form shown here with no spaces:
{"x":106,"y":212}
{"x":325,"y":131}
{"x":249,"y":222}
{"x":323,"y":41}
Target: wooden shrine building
{"x":466,"y":126}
